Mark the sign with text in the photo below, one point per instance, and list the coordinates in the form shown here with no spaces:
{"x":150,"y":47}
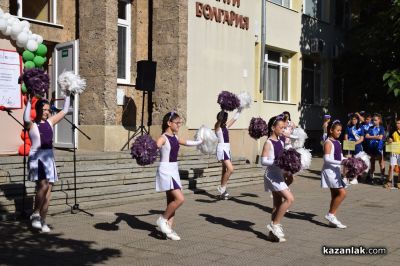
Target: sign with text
{"x":10,"y":71}
{"x":393,"y":147}
{"x":349,"y":145}
{"x":223,"y":16}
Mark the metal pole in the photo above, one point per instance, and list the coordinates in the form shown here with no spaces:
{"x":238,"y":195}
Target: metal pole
{"x":263,"y":42}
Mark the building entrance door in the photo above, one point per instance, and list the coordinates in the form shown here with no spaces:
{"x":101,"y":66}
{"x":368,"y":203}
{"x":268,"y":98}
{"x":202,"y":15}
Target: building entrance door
{"x":66,"y":59}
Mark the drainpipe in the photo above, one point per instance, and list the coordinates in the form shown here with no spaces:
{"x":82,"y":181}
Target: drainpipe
{"x":263,"y":38}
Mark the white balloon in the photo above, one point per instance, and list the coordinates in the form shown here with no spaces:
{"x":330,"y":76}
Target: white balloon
{"x":3,"y":24}
{"x":11,"y":20}
{"x":22,"y":38}
{"x":25,"y":24}
{"x":39,"y":39}
{"x":31,"y":45}
{"x":1,"y":12}
{"x":20,"y":45}
{"x":7,"y":31}
{"x":26,"y":29}
{"x":16,"y":30}
{"x":7,"y":15}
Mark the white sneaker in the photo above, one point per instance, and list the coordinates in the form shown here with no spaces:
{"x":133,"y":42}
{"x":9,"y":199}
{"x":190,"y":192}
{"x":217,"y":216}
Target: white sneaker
{"x":346,"y":181}
{"x":354,"y":181}
{"x":334,"y":222}
{"x":277,"y":231}
{"x":173,"y":236}
{"x":45,"y":228}
{"x":162,"y":223}
{"x":35,"y":220}
{"x":223,"y":194}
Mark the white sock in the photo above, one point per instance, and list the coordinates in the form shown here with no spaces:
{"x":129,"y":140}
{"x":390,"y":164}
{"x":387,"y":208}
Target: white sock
{"x":223,"y":189}
{"x":330,"y":214}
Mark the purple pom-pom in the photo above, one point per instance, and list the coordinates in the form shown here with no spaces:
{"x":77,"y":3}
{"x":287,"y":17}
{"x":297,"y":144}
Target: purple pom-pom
{"x":258,"y":128}
{"x":144,"y":150}
{"x":290,"y":161}
{"x":228,"y":101}
{"x":36,"y":81}
{"x":354,"y":167}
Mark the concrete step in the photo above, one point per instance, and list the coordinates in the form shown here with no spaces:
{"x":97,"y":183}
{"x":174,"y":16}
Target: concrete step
{"x":66,"y":196}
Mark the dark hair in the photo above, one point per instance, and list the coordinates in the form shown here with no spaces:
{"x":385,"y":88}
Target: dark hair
{"x":332,"y":125}
{"x":222,"y":118}
{"x":351,"y":117}
{"x":167,"y":118}
{"x":367,"y":115}
{"x":272,"y":122}
{"x":286,"y":113}
{"x":39,"y":108}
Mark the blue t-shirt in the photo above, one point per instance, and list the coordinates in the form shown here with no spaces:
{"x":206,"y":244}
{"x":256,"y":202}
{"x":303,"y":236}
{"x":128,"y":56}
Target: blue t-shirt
{"x":354,"y":133}
{"x":376,"y":144}
{"x":367,"y":126}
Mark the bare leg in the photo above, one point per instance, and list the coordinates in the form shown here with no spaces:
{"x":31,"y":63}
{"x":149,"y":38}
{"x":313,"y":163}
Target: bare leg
{"x":337,"y":196}
{"x":227,"y":172}
{"x":40,"y":198}
{"x":46,"y":202}
{"x":176,"y":200}
{"x":277,"y":201}
{"x":170,"y":199}
{"x":372,"y":170}
{"x":382,"y":164}
{"x":284,"y":206}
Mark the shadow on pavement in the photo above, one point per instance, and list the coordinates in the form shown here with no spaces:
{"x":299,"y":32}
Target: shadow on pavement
{"x":291,"y":214}
{"x":20,"y":246}
{"x":133,"y":222}
{"x":235,"y":224}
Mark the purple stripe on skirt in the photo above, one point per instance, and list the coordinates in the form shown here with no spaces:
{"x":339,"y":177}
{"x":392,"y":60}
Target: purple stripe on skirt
{"x":176,"y":186}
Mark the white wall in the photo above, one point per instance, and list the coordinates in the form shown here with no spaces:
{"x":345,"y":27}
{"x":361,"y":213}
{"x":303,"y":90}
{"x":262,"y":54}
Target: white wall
{"x":220,"y":57}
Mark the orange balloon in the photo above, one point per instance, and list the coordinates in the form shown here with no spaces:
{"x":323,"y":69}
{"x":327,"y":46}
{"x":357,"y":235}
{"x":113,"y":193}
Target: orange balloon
{"x":21,"y":150}
{"x":34,"y":101}
{"x":33,"y":114}
{"x":26,"y":136}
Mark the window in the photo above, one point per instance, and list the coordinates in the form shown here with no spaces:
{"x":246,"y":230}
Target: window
{"x":124,"y":41}
{"x":311,"y":81}
{"x":285,"y":3}
{"x":317,"y":9}
{"x":276,"y":77}
{"x":42,"y":10}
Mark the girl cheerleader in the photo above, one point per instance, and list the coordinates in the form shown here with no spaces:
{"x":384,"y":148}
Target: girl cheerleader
{"x":330,"y":175}
{"x":41,"y":164}
{"x":375,"y":137}
{"x":223,"y":149}
{"x":273,"y":178}
{"x":167,"y":178}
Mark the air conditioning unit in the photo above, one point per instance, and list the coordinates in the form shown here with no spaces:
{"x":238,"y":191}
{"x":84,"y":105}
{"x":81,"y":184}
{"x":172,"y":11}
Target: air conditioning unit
{"x":317,"y":46}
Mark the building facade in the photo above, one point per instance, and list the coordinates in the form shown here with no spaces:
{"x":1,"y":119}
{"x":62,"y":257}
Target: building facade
{"x":280,"y":51}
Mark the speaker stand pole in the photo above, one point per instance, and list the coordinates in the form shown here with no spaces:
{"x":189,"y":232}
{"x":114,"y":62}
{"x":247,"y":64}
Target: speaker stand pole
{"x":141,"y":129}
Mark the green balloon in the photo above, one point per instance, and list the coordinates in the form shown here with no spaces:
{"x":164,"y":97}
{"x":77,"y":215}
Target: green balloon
{"x":27,"y":56}
{"x":39,"y":60}
{"x":24,"y":89}
{"x":29,"y":64}
{"x":41,"y":50}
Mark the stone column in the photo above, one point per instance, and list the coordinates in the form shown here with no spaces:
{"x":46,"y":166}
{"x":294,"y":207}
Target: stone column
{"x":170,"y":51}
{"x":98,"y":37}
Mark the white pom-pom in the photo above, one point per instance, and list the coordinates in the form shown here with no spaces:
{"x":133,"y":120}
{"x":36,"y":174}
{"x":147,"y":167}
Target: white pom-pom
{"x":299,"y":137}
{"x":366,"y":158}
{"x":69,"y":81}
{"x":209,"y":138}
{"x":305,"y":158}
{"x":245,"y":99}
{"x":25,"y":24}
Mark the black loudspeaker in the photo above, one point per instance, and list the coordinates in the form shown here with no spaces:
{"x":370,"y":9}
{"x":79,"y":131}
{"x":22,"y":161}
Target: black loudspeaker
{"x":146,"y":75}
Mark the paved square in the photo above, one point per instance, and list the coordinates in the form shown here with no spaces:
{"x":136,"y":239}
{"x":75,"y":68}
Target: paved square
{"x":231,"y":232}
